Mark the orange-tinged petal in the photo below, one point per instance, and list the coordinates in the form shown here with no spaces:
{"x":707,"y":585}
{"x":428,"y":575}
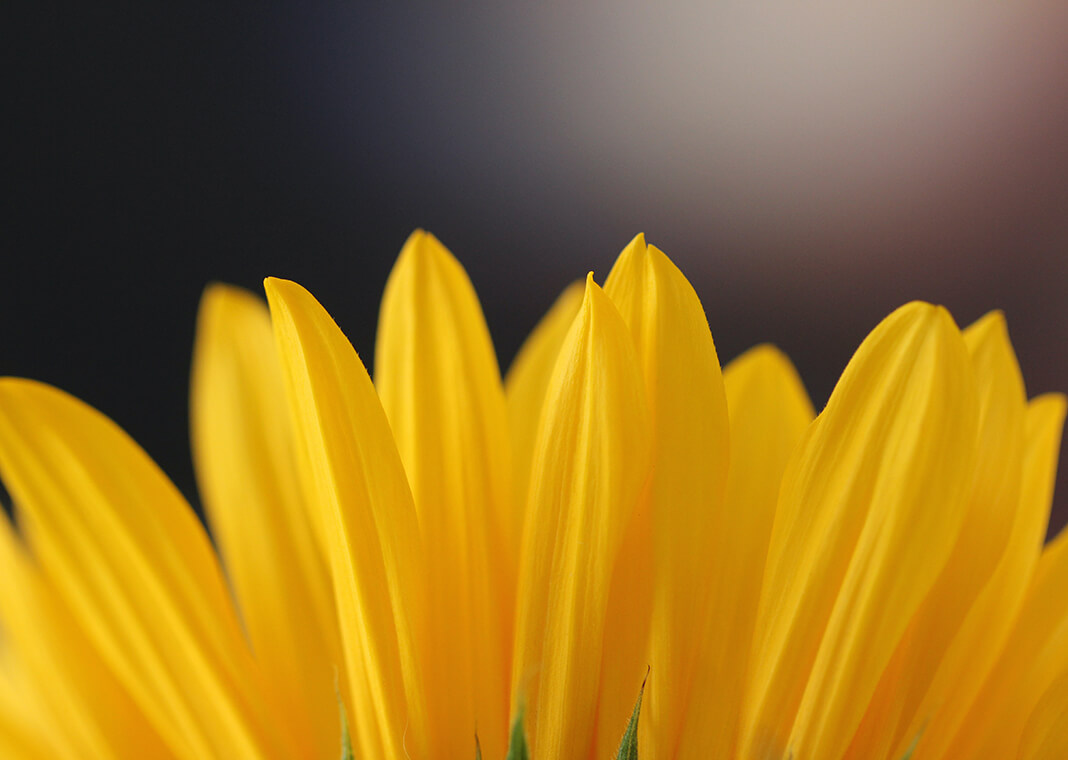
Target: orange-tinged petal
{"x":528,"y":379}
{"x":1045,"y":736}
{"x":247,"y":472}
{"x":437,"y":377}
{"x":869,"y":509}
{"x":368,"y":518}
{"x":1036,"y":649}
{"x":133,"y":564}
{"x":896,"y":716}
{"x":590,"y":462}
{"x":685,"y":501}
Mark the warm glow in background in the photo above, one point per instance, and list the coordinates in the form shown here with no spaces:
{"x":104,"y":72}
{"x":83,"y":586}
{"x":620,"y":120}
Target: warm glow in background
{"x":809,"y":166}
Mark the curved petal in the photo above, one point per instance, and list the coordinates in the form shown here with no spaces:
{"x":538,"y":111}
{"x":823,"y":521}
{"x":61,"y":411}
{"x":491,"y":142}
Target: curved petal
{"x":909,"y":690}
{"x":437,"y":377}
{"x":247,"y":472}
{"x":590,"y":462}
{"x":134,"y":566}
{"x":870,"y":507}
{"x":1036,"y":649}
{"x":685,"y":502}
{"x":1045,"y":736}
{"x":357,"y":483}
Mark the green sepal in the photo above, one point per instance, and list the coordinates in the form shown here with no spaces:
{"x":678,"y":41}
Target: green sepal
{"x":346,"y":737}
{"x":478,"y":748}
{"x":628,"y":747}
{"x":517,"y":741}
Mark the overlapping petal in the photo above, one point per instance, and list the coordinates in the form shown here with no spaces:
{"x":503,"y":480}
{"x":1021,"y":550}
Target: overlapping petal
{"x":249,"y":485}
{"x":590,"y":462}
{"x":130,"y":560}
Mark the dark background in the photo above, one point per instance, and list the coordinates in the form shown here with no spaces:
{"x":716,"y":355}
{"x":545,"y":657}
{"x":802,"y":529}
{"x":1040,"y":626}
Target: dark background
{"x":810,"y":169}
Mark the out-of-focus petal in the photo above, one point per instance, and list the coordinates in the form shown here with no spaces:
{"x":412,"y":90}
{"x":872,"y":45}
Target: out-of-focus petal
{"x":137,"y":571}
{"x":247,"y":472}
{"x":528,"y":379}
{"x":1036,"y":650}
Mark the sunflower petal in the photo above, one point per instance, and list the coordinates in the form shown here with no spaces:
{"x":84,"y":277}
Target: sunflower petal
{"x":869,"y":509}
{"x":685,"y":501}
{"x":769,"y":411}
{"x":86,"y":711}
{"x":528,"y":379}
{"x":246,"y":468}
{"x":369,"y":521}
{"x":136,"y":569}
{"x":437,"y":377}
{"x":1045,"y":736}
{"x":907,"y":693}
{"x":1036,"y":649}
{"x":590,"y":462}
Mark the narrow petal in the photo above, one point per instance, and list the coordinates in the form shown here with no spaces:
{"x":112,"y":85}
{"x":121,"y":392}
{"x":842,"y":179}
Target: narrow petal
{"x":246,"y":468}
{"x":590,"y":461}
{"x":369,"y":520}
{"x":1045,"y":736}
{"x":528,"y":379}
{"x":896,"y":716}
{"x":1036,"y":649}
{"x":870,"y":507}
{"x":685,"y":500}
{"x":136,"y":569}
{"x":769,"y":411}
{"x":437,"y":377}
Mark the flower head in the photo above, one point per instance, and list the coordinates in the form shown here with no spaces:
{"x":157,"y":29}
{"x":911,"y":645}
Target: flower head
{"x":450,"y":556}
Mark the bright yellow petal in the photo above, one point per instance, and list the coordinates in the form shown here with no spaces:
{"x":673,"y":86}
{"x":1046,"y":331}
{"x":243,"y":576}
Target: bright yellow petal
{"x":685,"y":499}
{"x":1045,"y":736}
{"x":368,"y":517}
{"x":24,"y":733}
{"x":437,"y":377}
{"x":590,"y":461}
{"x":78,"y":702}
{"x":769,"y":411}
{"x":869,"y":510}
{"x":134,"y":565}
{"x":528,"y":378}
{"x":895,"y":716}
{"x":246,"y":468}
{"x":1036,"y":650}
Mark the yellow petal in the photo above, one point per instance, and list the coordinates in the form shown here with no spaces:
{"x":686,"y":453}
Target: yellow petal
{"x":528,"y":378}
{"x":590,"y":462}
{"x":78,"y":702}
{"x":24,"y":732}
{"x":685,"y":500}
{"x":368,"y":518}
{"x":1036,"y":649}
{"x":437,"y":377}
{"x":133,"y":564}
{"x":769,"y":411}
{"x":869,"y":509}
{"x":896,"y":716}
{"x":246,"y":468}
{"x":1045,"y":736}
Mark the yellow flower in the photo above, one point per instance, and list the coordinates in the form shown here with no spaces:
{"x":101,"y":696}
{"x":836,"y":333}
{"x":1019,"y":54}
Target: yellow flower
{"x":446,"y":555}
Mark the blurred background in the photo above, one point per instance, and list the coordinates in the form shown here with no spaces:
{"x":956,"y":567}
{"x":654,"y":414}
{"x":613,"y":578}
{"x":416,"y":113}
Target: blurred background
{"x":809,"y":166}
